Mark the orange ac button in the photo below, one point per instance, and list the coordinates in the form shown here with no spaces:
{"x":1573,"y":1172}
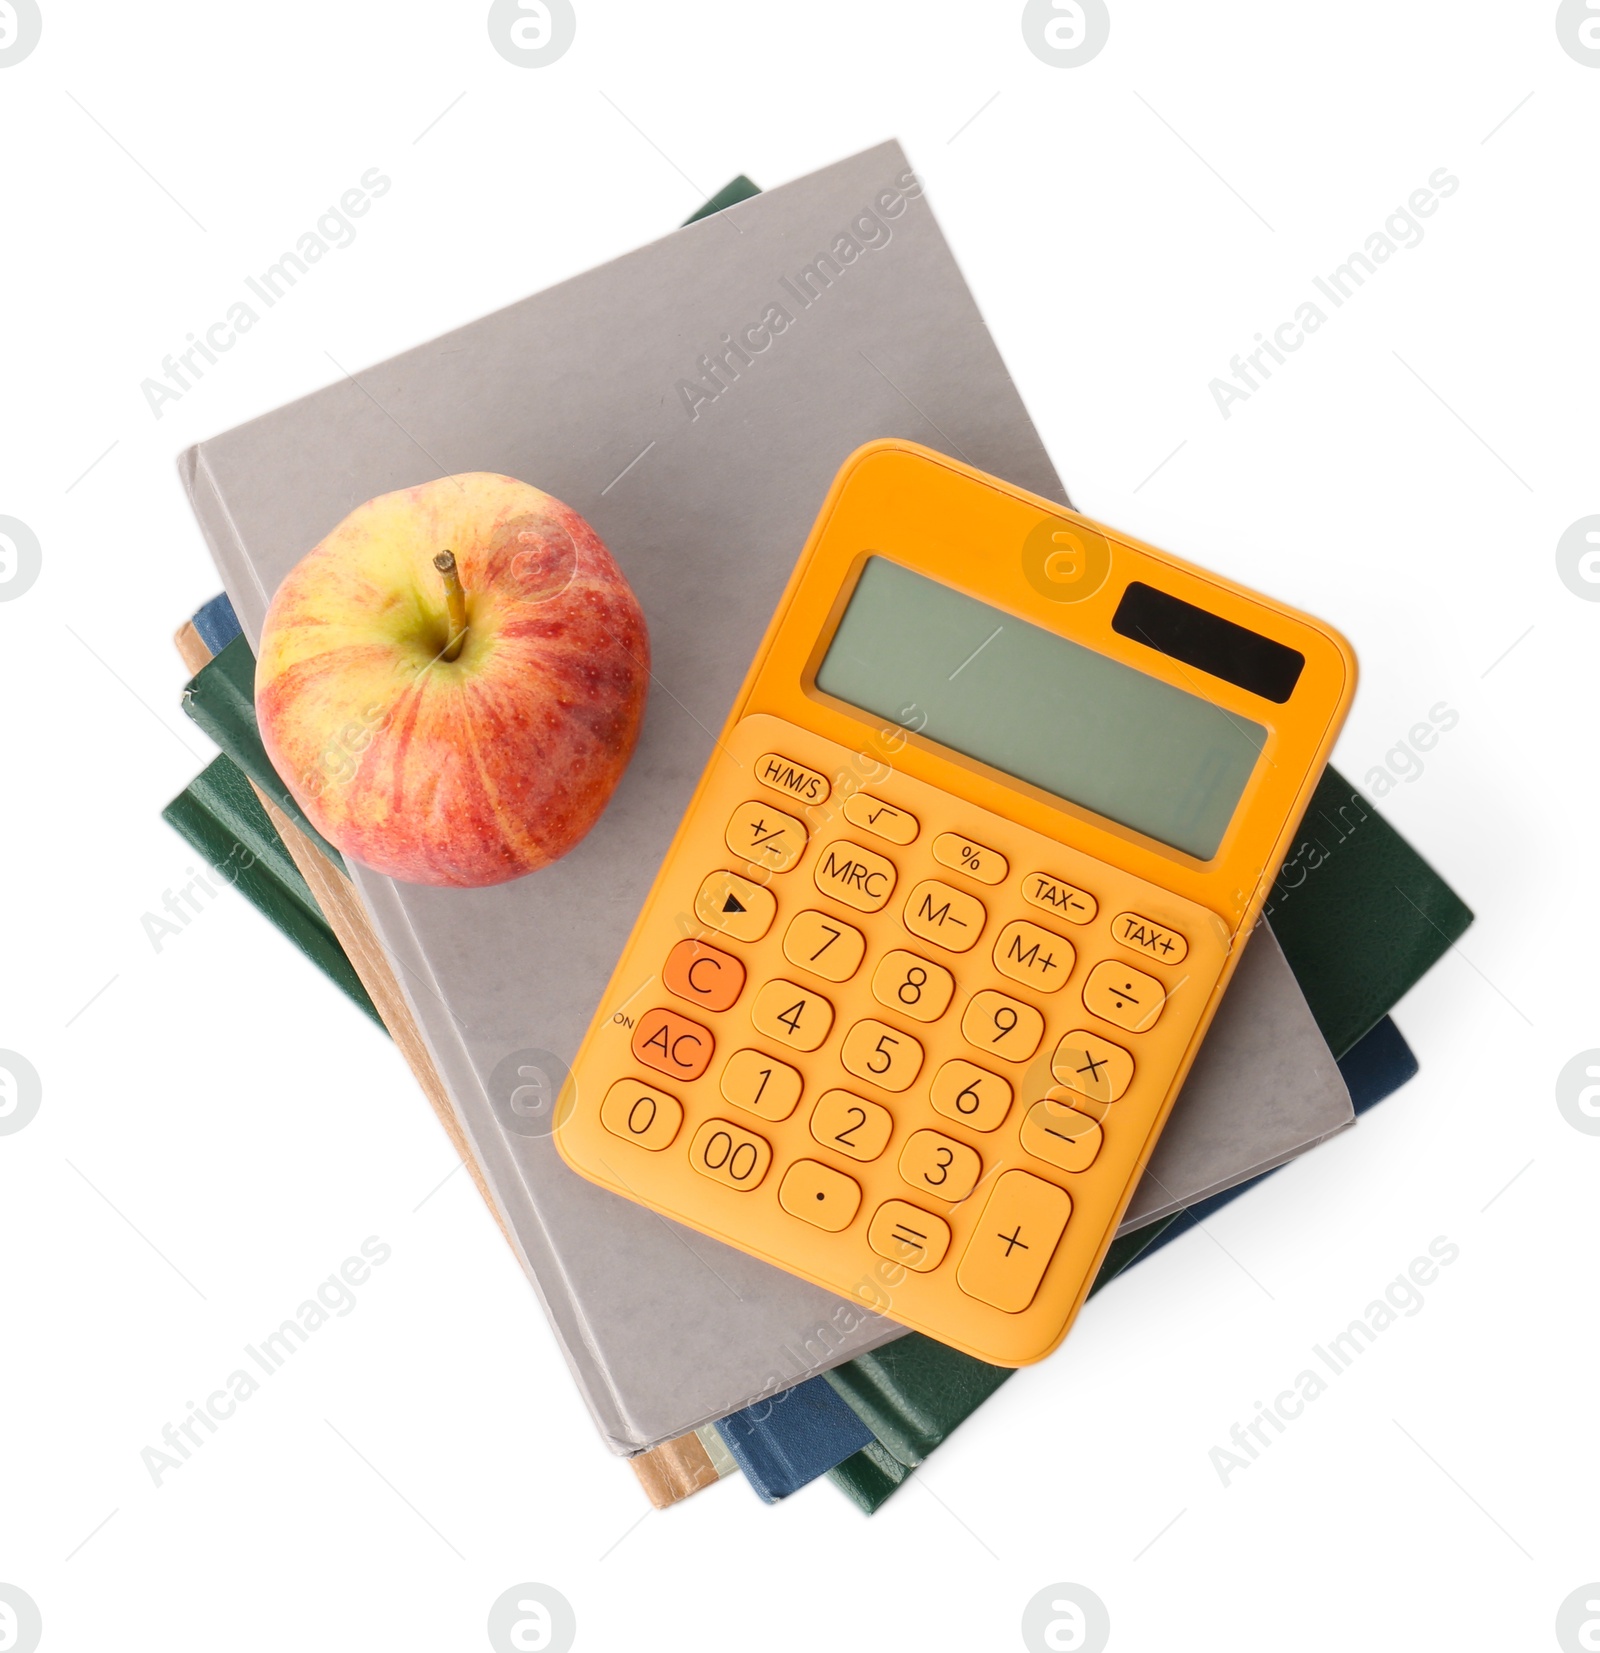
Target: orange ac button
{"x":672,"y":1044}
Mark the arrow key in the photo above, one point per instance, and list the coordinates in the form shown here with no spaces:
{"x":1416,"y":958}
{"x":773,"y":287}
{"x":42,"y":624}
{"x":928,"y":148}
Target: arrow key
{"x":733,"y":905}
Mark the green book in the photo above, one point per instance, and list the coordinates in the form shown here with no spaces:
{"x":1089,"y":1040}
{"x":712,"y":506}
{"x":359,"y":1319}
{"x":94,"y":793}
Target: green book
{"x":1361,"y":917}
{"x":221,"y":698}
{"x":220,"y":815}
{"x":730,"y":195}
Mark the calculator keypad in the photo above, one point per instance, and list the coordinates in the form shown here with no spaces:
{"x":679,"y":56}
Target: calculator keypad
{"x":898,"y":826}
{"x":731,"y":1155}
{"x":1143,"y":935}
{"x":919,"y":1037}
{"x":1062,"y":1136}
{"x":971,"y":1095}
{"x":1036,"y":957}
{"x":642,"y":1115}
{"x":1056,"y":895}
{"x":939,"y":1165}
{"x":792,"y":780}
{"x":987,"y":866}
{"x":1092,"y":1066}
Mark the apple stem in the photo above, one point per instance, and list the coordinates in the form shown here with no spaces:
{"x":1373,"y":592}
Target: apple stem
{"x":455,"y":600}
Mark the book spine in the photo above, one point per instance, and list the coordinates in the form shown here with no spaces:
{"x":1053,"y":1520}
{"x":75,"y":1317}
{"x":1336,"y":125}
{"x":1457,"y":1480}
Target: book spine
{"x":675,"y":1470}
{"x":221,"y":700}
{"x":874,"y":1392}
{"x":870,"y":1478}
{"x":787,"y":1441}
{"x":221,"y":817}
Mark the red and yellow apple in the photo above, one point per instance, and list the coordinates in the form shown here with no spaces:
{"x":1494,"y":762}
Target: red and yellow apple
{"x":451,"y":684}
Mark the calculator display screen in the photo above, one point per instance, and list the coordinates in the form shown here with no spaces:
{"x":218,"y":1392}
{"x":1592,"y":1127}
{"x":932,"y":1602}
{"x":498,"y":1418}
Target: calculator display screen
{"x":1037,"y":706}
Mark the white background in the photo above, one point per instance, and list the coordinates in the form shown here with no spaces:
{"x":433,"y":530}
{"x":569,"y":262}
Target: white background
{"x":219,"y":1129}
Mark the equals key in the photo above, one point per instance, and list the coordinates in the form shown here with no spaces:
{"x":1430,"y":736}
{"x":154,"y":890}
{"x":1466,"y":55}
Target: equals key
{"x":908,"y":1235}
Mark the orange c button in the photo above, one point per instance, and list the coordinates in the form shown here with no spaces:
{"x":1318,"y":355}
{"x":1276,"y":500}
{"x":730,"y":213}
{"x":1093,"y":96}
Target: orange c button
{"x":703,"y":975}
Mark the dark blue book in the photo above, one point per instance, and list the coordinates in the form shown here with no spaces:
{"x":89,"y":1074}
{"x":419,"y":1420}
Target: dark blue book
{"x":1377,"y":1066}
{"x":217,"y":624}
{"x":784,"y":1442}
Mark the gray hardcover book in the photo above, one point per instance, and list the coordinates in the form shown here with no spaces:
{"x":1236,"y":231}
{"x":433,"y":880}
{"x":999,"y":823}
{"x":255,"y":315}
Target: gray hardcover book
{"x":693,"y":400}
{"x":1264,"y":1088}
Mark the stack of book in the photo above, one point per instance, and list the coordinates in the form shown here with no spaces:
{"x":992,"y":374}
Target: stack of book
{"x":628,"y":393}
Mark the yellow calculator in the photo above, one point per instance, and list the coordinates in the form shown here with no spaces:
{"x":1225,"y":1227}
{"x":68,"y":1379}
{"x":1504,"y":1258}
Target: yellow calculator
{"x":955,"y":901}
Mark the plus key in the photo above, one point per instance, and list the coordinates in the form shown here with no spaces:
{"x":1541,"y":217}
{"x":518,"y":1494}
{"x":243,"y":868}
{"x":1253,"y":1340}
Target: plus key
{"x":1014,"y":1241}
